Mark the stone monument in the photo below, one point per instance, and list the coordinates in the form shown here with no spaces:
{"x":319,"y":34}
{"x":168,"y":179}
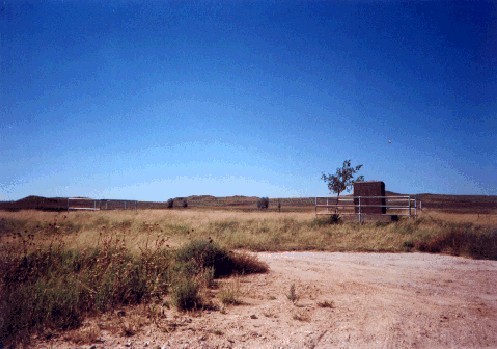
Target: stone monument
{"x":370,"y":205}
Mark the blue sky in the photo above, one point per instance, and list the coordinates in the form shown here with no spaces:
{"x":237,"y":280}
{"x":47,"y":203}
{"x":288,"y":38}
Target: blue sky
{"x":125,"y":99}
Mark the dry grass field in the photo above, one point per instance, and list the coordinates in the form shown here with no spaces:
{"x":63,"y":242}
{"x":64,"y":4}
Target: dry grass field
{"x":60,"y":269}
{"x":257,"y":231}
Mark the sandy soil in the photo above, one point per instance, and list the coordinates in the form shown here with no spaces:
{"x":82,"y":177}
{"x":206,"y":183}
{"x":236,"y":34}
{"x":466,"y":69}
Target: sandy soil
{"x":345,"y":300}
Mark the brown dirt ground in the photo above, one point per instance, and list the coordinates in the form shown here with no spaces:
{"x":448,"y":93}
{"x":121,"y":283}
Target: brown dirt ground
{"x":374,"y":300}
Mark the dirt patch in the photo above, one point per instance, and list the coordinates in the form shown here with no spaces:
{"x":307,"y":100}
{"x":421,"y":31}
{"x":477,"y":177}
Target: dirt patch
{"x":341,"y":300}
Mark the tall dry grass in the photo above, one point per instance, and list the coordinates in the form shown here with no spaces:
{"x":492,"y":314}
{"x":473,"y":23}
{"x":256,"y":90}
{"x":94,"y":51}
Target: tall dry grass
{"x":255,"y":231}
{"x":483,"y":219}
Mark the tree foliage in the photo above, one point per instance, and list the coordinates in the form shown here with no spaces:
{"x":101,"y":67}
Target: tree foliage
{"x":343,"y":178}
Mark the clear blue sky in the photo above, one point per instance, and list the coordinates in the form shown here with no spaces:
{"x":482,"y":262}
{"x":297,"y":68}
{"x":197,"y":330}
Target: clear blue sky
{"x":151,"y":100}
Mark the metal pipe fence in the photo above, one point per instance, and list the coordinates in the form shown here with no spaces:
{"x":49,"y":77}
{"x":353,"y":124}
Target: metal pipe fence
{"x":361,"y":206}
{"x":88,"y":204}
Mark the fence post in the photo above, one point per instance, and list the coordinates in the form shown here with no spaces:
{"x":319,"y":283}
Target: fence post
{"x":315,"y":205}
{"x":415,"y":208}
{"x":360,"y":215}
{"x":327,"y":204}
{"x":125,"y":205}
{"x":67,"y":205}
{"x":409,"y":198}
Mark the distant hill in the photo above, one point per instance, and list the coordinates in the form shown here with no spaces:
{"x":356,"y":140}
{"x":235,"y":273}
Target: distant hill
{"x":459,"y":203}
{"x":35,"y":202}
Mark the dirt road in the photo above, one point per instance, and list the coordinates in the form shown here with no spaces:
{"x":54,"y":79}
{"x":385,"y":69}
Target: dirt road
{"x":344,"y":300}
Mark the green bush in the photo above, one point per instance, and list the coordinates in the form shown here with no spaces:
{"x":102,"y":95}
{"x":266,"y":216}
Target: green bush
{"x":245,"y":263}
{"x":186,"y":295}
{"x":263,"y":203}
{"x":201,"y":254}
{"x":408,"y":245}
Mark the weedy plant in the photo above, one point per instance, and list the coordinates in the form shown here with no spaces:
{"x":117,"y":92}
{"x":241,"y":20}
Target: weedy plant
{"x":293,"y":294}
{"x":301,"y":315}
{"x":326,"y":304}
{"x":186,"y":295}
{"x":230,"y":292}
{"x":86,"y":335}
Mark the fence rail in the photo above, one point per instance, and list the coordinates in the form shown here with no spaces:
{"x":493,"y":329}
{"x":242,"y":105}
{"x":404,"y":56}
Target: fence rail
{"x":364,"y":206}
{"x":88,"y":204}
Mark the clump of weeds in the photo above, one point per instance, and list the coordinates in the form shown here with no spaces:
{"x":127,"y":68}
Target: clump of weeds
{"x":230,"y":293}
{"x":301,"y":315}
{"x":326,"y":304}
{"x":292,"y":295}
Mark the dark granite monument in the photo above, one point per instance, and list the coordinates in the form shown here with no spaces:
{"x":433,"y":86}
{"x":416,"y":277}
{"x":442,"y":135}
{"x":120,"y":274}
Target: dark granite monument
{"x":364,"y":189}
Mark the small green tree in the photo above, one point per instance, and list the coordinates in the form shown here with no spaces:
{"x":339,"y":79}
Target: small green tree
{"x":170,"y":203}
{"x":342,"y":180}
